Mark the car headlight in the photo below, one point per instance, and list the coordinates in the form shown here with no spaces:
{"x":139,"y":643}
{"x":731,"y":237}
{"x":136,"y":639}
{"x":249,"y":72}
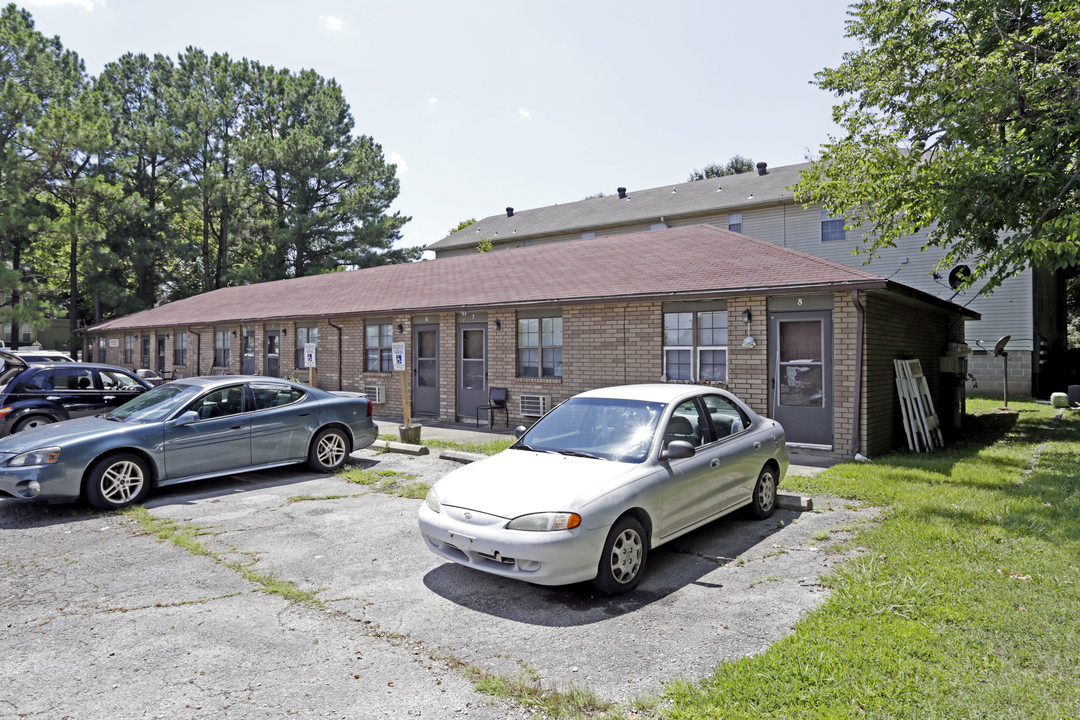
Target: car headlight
{"x":432,"y":501}
{"x":544,"y":522}
{"x":44,"y":456}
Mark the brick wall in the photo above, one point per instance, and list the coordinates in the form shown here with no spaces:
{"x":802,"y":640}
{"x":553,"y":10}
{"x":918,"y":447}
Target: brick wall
{"x":894,"y":330}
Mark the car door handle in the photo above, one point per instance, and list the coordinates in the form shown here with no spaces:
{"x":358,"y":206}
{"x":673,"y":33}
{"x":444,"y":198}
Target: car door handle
{"x":303,"y":414}
{"x":110,"y":397}
{"x":715,"y":463}
{"x":236,"y":427}
{"x":54,"y":398}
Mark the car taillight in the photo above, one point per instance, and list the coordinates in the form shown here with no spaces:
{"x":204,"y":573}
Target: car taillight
{"x":4,"y":411}
{"x":369,"y":406}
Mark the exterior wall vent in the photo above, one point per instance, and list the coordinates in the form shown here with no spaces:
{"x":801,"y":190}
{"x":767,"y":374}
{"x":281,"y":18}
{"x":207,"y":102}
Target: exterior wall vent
{"x":533,"y":405}
{"x":375,"y":393}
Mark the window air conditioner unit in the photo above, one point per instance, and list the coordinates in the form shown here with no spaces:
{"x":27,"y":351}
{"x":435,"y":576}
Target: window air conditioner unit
{"x":375,"y":393}
{"x":533,"y":405}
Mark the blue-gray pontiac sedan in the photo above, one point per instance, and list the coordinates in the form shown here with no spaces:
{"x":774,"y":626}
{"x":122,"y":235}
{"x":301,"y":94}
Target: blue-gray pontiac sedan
{"x":182,"y":431}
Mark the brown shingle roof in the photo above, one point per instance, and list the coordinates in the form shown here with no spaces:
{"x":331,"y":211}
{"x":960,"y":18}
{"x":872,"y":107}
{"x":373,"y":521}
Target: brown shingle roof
{"x":694,"y":261}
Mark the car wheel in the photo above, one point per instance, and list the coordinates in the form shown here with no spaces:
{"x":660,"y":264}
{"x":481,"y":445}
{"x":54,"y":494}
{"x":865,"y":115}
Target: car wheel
{"x":328,"y":450}
{"x":623,"y":559}
{"x":30,"y":422}
{"x":764,"y":493}
{"x":118,"y":481}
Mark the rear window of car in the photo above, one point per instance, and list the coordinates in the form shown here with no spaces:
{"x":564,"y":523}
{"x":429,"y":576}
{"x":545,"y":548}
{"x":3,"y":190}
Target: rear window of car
{"x":270,"y":395}
{"x":70,"y":379}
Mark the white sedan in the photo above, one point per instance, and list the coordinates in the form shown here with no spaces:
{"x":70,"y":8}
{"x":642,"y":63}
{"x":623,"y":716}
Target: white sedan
{"x":602,"y":478}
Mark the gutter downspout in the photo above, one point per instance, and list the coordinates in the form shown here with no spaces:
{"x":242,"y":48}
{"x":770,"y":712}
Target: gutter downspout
{"x":860,"y":319}
{"x":339,"y":351}
{"x":198,"y":352}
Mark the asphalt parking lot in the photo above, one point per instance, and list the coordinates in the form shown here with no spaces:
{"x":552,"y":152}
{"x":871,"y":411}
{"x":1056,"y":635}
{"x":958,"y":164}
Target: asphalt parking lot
{"x":104,"y":620}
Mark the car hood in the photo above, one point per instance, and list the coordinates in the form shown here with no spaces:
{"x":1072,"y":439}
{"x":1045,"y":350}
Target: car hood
{"x":516,"y":482}
{"x":63,"y":433}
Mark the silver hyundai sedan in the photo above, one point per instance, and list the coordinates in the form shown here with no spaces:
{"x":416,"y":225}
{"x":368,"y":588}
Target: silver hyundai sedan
{"x":181,"y":431}
{"x":601,"y":479}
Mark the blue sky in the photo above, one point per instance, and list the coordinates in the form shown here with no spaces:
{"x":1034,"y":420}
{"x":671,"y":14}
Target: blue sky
{"x":485,"y":105}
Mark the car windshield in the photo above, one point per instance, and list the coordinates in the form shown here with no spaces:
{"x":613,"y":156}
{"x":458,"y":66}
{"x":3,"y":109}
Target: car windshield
{"x":155,"y":405}
{"x":606,"y":428}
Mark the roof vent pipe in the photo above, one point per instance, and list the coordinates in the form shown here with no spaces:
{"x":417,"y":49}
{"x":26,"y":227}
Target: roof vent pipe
{"x":762,"y":168}
{"x":509,"y":212}
{"x":622,"y":193}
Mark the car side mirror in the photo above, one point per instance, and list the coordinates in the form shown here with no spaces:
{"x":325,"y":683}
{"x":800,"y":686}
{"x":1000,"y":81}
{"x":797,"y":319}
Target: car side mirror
{"x":678,"y":450}
{"x":185,"y":418}
{"x":519,"y":431}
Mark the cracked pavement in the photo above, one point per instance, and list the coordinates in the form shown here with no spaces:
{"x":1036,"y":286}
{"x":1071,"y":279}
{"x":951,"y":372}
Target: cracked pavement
{"x":103,"y":620}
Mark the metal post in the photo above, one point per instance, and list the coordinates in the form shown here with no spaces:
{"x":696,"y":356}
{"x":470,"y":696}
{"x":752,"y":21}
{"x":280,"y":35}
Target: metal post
{"x":1006,"y":356}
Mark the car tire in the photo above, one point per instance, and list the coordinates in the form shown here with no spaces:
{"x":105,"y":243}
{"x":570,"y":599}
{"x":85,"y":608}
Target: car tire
{"x":764,"y":493}
{"x":329,"y":450}
{"x":622,"y":562}
{"x":117,"y":481}
{"x":30,"y":422}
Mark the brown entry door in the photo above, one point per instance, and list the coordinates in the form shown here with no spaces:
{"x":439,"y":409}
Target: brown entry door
{"x":800,"y":350}
{"x":472,"y":390}
{"x":426,"y":370}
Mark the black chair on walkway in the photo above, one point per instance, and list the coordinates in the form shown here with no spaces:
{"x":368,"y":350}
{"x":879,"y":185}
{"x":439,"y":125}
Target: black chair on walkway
{"x":496,"y":402}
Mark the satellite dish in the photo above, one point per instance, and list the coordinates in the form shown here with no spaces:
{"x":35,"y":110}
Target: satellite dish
{"x":1000,"y":347}
{"x":958,"y":275}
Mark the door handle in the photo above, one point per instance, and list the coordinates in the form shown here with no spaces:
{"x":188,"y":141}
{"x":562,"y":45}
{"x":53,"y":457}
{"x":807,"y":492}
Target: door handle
{"x":110,"y":397}
{"x":757,"y":446}
{"x":54,"y":398}
{"x":236,"y":427}
{"x":715,"y":463}
{"x":303,"y":414}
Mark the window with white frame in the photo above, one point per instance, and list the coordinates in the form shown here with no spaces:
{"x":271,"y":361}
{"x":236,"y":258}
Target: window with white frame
{"x":378,"y":342}
{"x":221,"y":348}
{"x":180,"y":348}
{"x":734,"y":222}
{"x":304,"y":335}
{"x":695,"y":344}
{"x":129,"y":348}
{"x":831,"y":228}
{"x":540,"y":342}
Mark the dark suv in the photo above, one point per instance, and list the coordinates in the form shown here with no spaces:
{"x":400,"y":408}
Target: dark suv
{"x":33,"y":395}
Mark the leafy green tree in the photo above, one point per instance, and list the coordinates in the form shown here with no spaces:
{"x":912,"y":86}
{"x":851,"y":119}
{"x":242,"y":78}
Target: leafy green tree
{"x":736,"y":165}
{"x":963,"y":117}
{"x":462,"y":225}
{"x":38,"y":81}
{"x":328,"y":191}
{"x":141,"y":241}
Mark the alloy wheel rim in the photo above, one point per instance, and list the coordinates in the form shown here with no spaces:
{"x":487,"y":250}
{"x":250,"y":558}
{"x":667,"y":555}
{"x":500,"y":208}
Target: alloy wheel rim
{"x":768,"y":491}
{"x":626,"y":556}
{"x":331,"y":450}
{"x":122,"y":482}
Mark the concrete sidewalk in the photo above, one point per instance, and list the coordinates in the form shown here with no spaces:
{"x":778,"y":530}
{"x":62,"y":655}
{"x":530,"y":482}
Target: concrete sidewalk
{"x":801,"y":464}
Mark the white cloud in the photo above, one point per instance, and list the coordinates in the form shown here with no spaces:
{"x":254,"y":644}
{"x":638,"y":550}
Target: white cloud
{"x":331,"y":23}
{"x":396,"y":159}
{"x":433,"y":101}
{"x":523,"y":112}
{"x":87,"y":5}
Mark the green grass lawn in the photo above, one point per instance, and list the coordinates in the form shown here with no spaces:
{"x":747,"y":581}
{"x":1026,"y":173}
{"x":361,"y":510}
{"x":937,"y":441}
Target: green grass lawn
{"x":963,"y":601}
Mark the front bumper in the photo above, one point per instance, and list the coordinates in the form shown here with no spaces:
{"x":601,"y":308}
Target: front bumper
{"x":37,"y":482}
{"x":545,"y":558}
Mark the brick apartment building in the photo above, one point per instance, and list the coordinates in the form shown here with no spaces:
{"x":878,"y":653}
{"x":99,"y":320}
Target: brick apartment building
{"x":805,"y":340}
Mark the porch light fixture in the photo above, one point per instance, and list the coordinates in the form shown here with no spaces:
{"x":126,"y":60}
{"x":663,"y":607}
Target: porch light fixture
{"x":748,"y":342}
{"x":400,"y":328}
{"x":284,"y":331}
{"x":498,"y":324}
